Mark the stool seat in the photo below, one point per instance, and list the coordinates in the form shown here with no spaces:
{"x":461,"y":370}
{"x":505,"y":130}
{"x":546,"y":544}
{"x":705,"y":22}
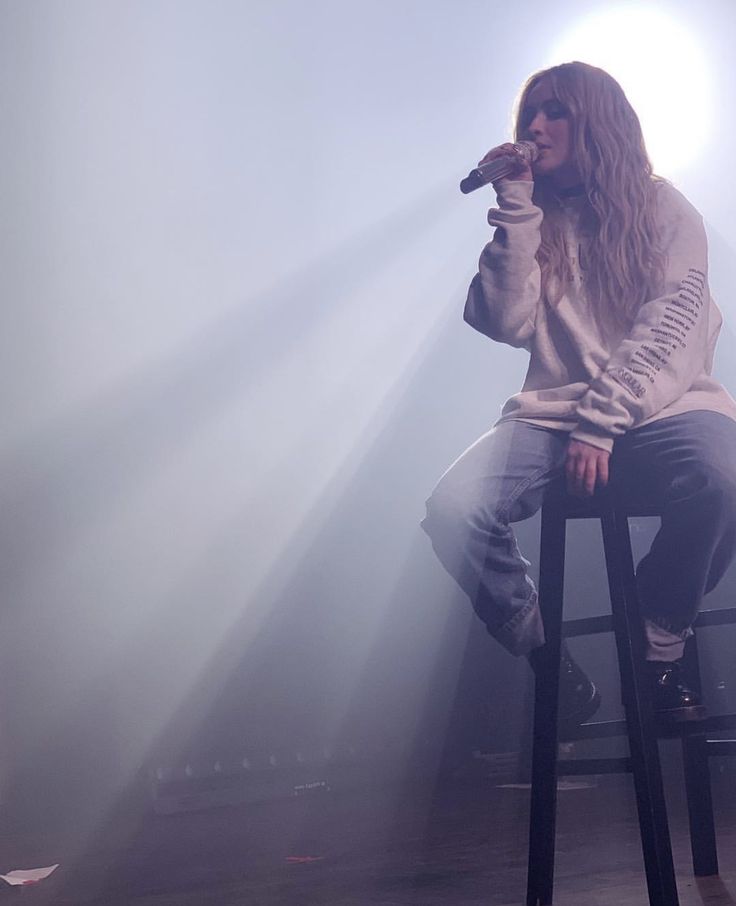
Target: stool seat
{"x":604,"y":499}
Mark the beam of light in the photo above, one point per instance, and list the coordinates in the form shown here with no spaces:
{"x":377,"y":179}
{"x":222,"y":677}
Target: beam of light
{"x":300,"y":428}
{"x":662,"y":68}
{"x":359,"y":361}
{"x":310,"y":419}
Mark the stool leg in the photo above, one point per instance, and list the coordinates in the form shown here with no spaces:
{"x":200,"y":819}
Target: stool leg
{"x":655,"y":836}
{"x":697,"y":783}
{"x":543,"y":814}
{"x":700,"y":805}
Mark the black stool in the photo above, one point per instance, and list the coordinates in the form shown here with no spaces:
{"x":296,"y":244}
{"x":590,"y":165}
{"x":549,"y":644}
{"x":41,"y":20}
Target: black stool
{"x":639,"y":725}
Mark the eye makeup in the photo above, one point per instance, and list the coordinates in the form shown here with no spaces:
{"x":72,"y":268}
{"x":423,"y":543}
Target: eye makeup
{"x":551,"y":108}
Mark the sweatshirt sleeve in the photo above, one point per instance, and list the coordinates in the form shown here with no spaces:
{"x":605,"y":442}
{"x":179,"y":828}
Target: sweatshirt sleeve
{"x":667,"y":347}
{"x":504,"y":295}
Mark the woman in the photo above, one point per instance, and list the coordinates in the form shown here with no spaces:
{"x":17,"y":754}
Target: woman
{"x":599,"y":270}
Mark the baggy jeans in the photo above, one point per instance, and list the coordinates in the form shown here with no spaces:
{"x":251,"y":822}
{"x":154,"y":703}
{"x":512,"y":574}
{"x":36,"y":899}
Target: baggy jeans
{"x":687,"y":462}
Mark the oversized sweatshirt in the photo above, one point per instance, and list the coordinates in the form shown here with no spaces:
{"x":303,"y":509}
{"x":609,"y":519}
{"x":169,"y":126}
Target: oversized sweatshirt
{"x":582,"y":377}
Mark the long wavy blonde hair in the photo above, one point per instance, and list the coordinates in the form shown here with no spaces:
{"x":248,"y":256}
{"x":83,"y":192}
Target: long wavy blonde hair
{"x":624,"y":262}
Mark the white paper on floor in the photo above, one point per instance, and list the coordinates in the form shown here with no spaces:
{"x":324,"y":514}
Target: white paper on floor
{"x":28,"y":875}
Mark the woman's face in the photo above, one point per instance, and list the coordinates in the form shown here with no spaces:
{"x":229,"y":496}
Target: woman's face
{"x":546,"y":122}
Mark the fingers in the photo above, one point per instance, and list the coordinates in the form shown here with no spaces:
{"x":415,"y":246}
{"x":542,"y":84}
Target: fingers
{"x":571,"y":474}
{"x":581,"y":475}
{"x":585,"y":467}
{"x":500,"y":151}
{"x":590,"y":476}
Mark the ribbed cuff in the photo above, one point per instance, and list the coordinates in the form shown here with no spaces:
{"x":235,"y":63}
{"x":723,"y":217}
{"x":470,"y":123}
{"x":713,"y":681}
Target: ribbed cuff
{"x":514,"y":195}
{"x":602,"y":441}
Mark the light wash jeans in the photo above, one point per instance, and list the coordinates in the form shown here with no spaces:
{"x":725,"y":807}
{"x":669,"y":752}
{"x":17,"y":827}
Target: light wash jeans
{"x":688,"y":461}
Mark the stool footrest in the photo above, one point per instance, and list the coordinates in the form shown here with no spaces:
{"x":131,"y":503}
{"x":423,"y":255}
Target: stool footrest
{"x":724,"y":616}
{"x":718,"y":747}
{"x":577,"y":766}
{"x":607,"y":729}
{"x":587,"y":626}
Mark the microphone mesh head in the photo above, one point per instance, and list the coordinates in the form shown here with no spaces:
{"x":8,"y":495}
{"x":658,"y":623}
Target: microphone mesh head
{"x":527,"y":150}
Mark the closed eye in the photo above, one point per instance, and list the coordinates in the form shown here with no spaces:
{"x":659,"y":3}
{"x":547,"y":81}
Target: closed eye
{"x":552,"y":109}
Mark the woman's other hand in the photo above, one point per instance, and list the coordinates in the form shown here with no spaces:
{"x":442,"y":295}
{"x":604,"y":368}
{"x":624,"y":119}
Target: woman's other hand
{"x":585,"y":467}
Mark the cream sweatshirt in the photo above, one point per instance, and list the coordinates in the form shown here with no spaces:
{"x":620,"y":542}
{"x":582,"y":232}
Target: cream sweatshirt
{"x":581,"y":378}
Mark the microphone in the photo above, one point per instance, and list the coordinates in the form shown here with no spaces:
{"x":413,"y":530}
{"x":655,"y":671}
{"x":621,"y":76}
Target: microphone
{"x":499,"y":167}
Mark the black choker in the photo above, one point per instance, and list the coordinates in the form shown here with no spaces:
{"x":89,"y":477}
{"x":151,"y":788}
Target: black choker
{"x":572,"y":192}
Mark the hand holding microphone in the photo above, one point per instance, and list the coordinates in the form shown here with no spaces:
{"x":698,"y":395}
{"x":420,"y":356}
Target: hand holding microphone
{"x":501,"y":162}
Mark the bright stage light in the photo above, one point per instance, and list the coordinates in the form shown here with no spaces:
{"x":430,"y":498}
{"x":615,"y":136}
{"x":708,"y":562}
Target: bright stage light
{"x":662,"y":69}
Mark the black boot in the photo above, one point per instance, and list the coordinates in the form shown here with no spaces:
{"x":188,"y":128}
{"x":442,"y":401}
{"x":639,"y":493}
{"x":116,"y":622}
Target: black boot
{"x":579,"y":698}
{"x":671,"y":698}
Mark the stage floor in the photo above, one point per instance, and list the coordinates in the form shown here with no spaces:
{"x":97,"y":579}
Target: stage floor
{"x":464,"y":845}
